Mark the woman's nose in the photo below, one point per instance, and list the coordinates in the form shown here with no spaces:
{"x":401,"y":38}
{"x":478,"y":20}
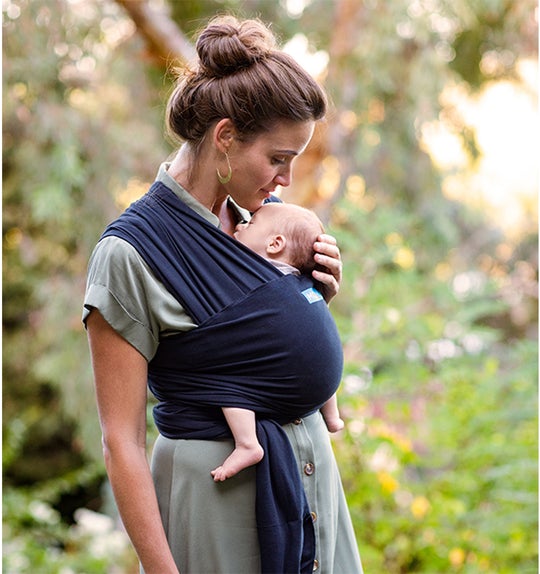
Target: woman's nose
{"x":283,"y":178}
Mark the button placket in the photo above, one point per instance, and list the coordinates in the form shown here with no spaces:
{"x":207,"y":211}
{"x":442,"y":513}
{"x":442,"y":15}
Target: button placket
{"x":306,"y":454}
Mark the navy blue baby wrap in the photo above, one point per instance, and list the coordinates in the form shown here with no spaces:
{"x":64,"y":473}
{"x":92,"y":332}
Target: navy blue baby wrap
{"x":265,"y":342}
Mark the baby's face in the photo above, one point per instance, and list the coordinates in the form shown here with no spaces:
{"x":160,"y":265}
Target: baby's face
{"x":256,"y":233}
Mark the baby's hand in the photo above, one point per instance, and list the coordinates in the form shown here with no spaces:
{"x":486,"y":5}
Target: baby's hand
{"x":334,"y":424}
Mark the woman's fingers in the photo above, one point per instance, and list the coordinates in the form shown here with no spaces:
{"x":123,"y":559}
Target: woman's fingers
{"x":328,"y":257}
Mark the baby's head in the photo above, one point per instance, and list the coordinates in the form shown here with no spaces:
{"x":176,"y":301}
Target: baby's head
{"x":284,"y":232}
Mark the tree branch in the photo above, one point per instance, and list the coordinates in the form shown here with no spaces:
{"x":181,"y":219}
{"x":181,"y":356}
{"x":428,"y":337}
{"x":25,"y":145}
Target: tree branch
{"x":166,"y":42}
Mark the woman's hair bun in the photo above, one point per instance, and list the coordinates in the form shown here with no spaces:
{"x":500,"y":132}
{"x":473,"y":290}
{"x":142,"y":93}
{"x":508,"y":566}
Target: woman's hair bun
{"x":240,"y":75}
{"x":227,"y":45}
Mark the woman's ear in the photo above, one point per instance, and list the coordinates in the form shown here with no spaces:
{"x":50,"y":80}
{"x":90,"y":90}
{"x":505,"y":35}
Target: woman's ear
{"x":276,"y":245}
{"x":224,"y":134}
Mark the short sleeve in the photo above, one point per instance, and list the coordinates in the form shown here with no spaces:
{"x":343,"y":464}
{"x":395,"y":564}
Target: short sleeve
{"x":130,"y":298}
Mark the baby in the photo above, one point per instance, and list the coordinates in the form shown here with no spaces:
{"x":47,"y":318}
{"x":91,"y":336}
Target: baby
{"x":284,"y":234}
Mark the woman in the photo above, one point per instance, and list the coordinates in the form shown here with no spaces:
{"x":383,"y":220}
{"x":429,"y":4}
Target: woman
{"x":243,"y":114}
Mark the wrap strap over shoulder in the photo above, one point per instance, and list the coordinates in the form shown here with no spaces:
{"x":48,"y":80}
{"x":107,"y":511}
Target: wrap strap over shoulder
{"x":265,"y":342}
{"x":204,"y":268}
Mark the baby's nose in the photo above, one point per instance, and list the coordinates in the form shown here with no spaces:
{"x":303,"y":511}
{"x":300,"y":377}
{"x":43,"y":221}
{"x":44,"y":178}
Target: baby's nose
{"x":241,"y":225}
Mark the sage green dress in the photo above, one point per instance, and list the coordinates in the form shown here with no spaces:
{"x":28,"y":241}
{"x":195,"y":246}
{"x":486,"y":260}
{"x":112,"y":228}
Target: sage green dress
{"x":211,"y":526}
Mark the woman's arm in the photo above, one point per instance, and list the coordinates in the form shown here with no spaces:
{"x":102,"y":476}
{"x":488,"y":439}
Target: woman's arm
{"x":120,"y":374}
{"x":328,"y":255}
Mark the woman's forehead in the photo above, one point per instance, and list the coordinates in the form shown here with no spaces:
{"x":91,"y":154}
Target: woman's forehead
{"x":289,"y":138}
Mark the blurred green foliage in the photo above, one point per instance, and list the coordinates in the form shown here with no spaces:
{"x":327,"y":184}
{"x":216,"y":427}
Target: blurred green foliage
{"x":440,"y":456}
{"x":438,"y":309}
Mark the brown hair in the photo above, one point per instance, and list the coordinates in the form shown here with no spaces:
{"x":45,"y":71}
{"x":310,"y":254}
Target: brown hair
{"x":301,"y":227}
{"x":241,"y":75}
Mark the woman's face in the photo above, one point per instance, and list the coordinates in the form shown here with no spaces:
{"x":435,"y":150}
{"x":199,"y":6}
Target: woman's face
{"x":261,"y":165}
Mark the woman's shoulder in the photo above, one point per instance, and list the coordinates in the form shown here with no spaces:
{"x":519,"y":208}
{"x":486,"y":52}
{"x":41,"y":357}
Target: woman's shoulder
{"x":115,"y":263}
{"x":115,"y":248}
{"x":114,"y":252}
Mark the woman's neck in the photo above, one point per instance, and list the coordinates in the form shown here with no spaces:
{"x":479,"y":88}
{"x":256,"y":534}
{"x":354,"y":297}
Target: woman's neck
{"x":196,"y":183}
{"x":194,"y":179}
{"x":227,"y":217}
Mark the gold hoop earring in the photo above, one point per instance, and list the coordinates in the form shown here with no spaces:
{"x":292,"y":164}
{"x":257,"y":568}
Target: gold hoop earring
{"x":225,"y":179}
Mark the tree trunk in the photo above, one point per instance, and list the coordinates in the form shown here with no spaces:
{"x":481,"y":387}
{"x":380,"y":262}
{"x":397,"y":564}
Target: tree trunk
{"x":164,"y":39}
{"x":322,"y":170}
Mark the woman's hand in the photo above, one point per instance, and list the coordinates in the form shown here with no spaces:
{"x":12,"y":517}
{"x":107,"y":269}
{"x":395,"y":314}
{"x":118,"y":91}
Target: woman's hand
{"x":328,"y":258}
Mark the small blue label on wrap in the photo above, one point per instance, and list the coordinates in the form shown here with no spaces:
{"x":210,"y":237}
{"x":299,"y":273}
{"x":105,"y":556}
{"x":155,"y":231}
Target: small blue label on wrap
{"x":312,"y":295}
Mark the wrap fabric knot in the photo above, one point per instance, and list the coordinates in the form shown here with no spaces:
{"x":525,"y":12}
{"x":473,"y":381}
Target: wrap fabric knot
{"x":260,"y":344}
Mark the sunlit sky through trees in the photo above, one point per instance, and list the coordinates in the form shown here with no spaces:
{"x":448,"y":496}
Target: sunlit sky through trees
{"x":503,"y":182}
{"x":504,"y":179}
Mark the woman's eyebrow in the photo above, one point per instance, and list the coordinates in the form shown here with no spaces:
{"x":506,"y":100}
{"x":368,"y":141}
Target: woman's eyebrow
{"x":286,"y":151}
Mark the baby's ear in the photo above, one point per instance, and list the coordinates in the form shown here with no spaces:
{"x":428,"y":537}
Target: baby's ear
{"x":276,"y":245}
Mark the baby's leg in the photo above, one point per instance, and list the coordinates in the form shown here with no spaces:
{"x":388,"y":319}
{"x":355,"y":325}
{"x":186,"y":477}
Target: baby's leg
{"x":330,"y":412}
{"x":247,"y":450}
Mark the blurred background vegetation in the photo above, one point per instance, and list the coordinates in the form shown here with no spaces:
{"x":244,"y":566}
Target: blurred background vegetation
{"x":426,"y":171}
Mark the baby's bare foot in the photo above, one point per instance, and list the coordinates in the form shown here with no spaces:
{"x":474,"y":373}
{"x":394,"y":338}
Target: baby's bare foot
{"x":241,"y":457}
